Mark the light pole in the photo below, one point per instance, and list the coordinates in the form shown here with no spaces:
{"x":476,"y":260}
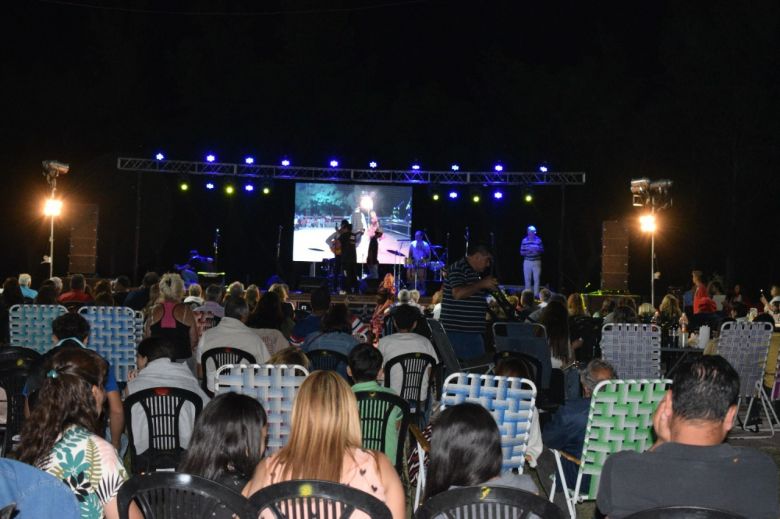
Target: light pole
{"x":52,"y":208}
{"x":647,"y":223}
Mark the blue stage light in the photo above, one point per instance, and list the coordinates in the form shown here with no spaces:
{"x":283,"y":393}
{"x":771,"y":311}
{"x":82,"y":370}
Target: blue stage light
{"x":453,"y":195}
{"x":285,"y":163}
{"x":249,"y":160}
{"x":416,"y":167}
{"x":210,"y":185}
{"x":543,"y":169}
{"x":210,"y":157}
{"x":498,"y":195}
{"x":372,"y":164}
{"x":334,"y":163}
{"x":159,"y":156}
{"x":498,"y":168}
{"x":455,"y":167}
{"x":249,"y":188}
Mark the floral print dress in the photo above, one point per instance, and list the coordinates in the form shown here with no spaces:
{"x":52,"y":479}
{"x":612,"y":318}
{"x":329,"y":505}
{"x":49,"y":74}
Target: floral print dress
{"x":89,"y":466}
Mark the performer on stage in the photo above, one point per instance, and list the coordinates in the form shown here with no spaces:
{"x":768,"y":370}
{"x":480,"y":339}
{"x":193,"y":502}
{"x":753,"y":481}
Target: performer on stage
{"x":374,"y":235}
{"x":420,"y":255}
{"x":531,"y":249}
{"x":334,"y":243}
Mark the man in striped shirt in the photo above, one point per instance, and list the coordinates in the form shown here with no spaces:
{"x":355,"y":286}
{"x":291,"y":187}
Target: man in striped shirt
{"x":464,"y":304}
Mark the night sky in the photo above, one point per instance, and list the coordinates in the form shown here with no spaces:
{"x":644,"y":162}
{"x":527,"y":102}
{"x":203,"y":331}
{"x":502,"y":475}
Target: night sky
{"x":619,"y":90}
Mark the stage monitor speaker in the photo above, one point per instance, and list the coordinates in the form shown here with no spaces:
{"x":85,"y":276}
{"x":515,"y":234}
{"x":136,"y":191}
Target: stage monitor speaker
{"x":309,"y":283}
{"x":614,"y":256}
{"x":83,"y":219}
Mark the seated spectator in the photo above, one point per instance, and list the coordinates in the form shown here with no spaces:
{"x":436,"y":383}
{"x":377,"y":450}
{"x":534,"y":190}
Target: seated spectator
{"x":716,"y":293}
{"x":77,"y":292}
{"x":120,"y":288}
{"x":335,"y":332}
{"x":384,"y":301}
{"x":102,"y":286}
{"x":566,"y":429}
{"x":47,"y":295}
{"x":326,"y":427}
{"x":435,"y":307}
{"x":194,"y":296}
{"x":252,"y":296}
{"x":138,"y":299}
{"x":269,"y":314}
{"x":172,"y":319}
{"x":72,"y":331}
{"x":57,"y":283}
{"x":605,"y":312}
{"x":405,"y":341}
{"x":320,"y":302}
{"x":575,"y":305}
{"x":156,"y":369}
{"x":365,"y":368}
{"x":511,"y":367}
{"x":289,"y":356}
{"x":283,"y":291}
{"x":555,"y":319}
{"x":23,"y":485}
{"x":212,"y":303}
{"x":624,"y":315}
{"x":545,"y":296}
{"x":690,"y":465}
{"x":700,"y":293}
{"x":235,"y":289}
{"x":104,"y":299}
{"x":466,"y":451}
{"x":25,"y":280}
{"x":527,"y":305}
{"x":62,"y":435}
{"x":773,"y":293}
{"x":12,"y":295}
{"x":645,"y":313}
{"x":738,"y":311}
{"x":228,"y":441}
{"x":404,"y":297}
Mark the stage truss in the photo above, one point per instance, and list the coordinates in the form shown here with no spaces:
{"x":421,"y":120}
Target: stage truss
{"x":380,"y":176}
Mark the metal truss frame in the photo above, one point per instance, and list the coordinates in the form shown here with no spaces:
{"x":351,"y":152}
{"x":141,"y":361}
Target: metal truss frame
{"x":381,"y":176}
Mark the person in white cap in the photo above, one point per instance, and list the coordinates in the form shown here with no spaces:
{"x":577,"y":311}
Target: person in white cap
{"x":531,"y":250}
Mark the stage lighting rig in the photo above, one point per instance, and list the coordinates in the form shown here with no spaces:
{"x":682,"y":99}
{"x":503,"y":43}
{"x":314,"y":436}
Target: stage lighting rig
{"x":656,"y":193}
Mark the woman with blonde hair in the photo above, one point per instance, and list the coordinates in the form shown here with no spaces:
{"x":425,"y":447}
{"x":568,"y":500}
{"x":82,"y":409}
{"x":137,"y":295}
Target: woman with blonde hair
{"x":171,"y":318}
{"x":325,"y":444}
{"x":576,"y":305}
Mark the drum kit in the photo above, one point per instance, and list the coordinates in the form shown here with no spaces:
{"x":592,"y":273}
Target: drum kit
{"x":417,"y":269}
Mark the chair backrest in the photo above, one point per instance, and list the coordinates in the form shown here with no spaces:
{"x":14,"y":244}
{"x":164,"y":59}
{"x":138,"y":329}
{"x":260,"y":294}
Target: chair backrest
{"x":375,"y":409}
{"x":114,"y":334}
{"x":620,"y":419}
{"x":443,"y":347}
{"x":172,"y":495}
{"x":510,"y":400}
{"x":516,"y":329}
{"x":684,"y":512}
{"x":29,"y":326}
{"x":305,"y":499}
{"x":534,"y":346}
{"x":327,"y":360}
{"x":746,"y":345}
{"x":12,"y":380}
{"x":273,"y":385}
{"x":162,"y":407}
{"x":488,"y":502}
{"x":414,"y":367}
{"x":633,"y":349}
{"x":589,"y":330}
{"x":221,"y":357}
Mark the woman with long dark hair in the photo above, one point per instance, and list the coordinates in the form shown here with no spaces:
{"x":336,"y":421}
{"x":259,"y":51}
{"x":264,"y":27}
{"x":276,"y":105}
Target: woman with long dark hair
{"x":61,"y":436}
{"x":555,"y":319}
{"x":466,"y":451}
{"x":228,"y":441}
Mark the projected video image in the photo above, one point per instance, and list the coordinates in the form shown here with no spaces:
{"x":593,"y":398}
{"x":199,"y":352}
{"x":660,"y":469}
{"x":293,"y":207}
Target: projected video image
{"x":319,"y":209}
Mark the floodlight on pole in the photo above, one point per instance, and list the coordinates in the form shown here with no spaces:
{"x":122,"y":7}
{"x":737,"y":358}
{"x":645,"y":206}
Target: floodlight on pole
{"x":52,"y":208}
{"x":647,"y":223}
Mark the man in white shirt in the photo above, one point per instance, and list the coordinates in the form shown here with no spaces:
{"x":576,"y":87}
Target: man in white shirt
{"x":231,"y":332}
{"x":156,"y":369}
{"x":405,"y":341}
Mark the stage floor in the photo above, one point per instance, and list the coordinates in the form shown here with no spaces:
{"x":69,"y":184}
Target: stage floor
{"x":308,"y":238}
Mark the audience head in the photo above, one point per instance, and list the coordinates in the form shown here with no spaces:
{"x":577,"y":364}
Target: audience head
{"x":437,"y":297}
{"x":57,"y":283}
{"x":171,"y":287}
{"x":150,"y":279}
{"x":47,"y":295}
{"x":252,"y":296}
{"x":72,"y":393}
{"x":325,"y":426}
{"x":698,"y":277}
{"x":404,"y":297}
{"x":576,"y":305}
{"x":153,"y":348}
{"x":235,"y":289}
{"x":281,"y":290}
{"x":405,"y":318}
{"x":195,"y":290}
{"x":646,"y":311}
{"x":213,"y":293}
{"x":670,"y":307}
{"x":102,"y":287}
{"x":544,"y":295}
{"x":596,"y":371}
{"x":12,"y":292}
{"x":268,"y":312}
{"x":289,"y":356}
{"x":336,"y":319}
{"x":607,"y":307}
{"x":465,"y":449}
{"x":236,"y":308}
{"x":77,"y":282}
{"x":121,"y":284}
{"x":104,"y":299}
{"x":714,"y":288}
{"x":364,"y":363}
{"x":738,"y":310}
{"x":555,"y":319}
{"x":527,"y":298}
{"x":479,"y":257}
{"x":512,"y":367}
{"x":228,"y":437}
{"x":624,"y":314}
{"x":414,"y":296}
{"x":70,"y":326}
{"x":320,"y":300}
{"x":25,"y":280}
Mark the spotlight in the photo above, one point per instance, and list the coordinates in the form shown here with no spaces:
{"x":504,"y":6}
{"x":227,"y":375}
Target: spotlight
{"x":498,"y":168}
{"x":266,"y":190}
{"x":416,"y":167}
{"x":52,"y":207}
{"x":184,"y":185}
{"x":372,"y":164}
{"x":528,"y":198}
{"x":210,"y":185}
{"x":455,"y":167}
{"x":543,"y":169}
{"x":435,"y":197}
{"x":475,"y":199}
{"x":453,"y":195}
{"x":647,"y":223}
{"x":498,"y":195}
{"x":249,"y":160}
{"x":285,"y":163}
{"x":229,"y":189}
{"x":210,"y":157}
{"x":249,"y":188}
{"x":334,"y":163}
{"x":159,"y":156}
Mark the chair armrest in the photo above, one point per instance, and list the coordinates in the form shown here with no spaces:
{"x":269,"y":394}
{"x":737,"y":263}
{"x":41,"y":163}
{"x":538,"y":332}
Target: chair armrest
{"x":571,"y":458}
{"x":418,"y":435}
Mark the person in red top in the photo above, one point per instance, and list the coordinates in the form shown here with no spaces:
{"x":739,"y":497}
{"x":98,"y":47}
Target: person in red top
{"x":700,"y":296}
{"x":76,"y":292}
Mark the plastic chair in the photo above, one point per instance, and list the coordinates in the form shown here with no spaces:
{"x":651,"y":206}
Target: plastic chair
{"x":684,"y":512}
{"x":414,"y":367}
{"x":306,"y":499}
{"x":620,"y":418}
{"x":171,"y":495}
{"x":517,"y":329}
{"x":162,"y":407}
{"x":376,"y":409}
{"x":114,"y":333}
{"x":328,"y":360}
{"x":633,"y":349}
{"x":529,"y":339}
{"x":220,"y":357}
{"x":29,"y":326}
{"x":488,"y":502}
{"x":12,"y":380}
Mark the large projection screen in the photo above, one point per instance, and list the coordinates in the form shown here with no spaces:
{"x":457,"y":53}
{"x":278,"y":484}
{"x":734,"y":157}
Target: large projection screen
{"x":319,"y":208}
